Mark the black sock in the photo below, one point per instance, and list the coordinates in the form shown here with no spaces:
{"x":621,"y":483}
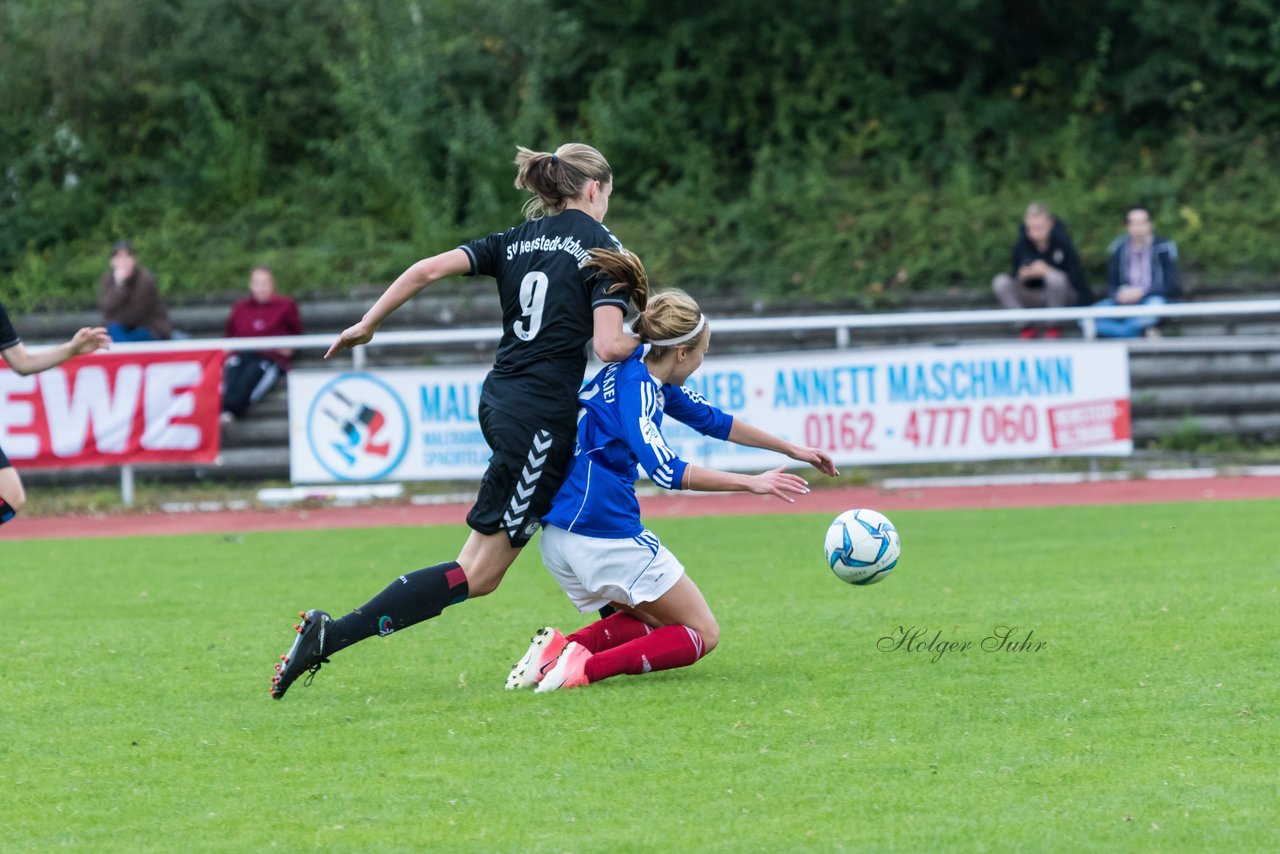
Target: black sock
{"x":6,"y":511}
{"x":408,"y":600}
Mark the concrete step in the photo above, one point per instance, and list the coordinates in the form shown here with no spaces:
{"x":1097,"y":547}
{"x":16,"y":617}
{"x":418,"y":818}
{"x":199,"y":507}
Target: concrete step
{"x":1259,"y":426}
{"x":255,"y":463}
{"x":276,"y":403}
{"x":1151,"y":368}
{"x":251,"y":465}
{"x":457,"y":306}
{"x":1217,"y":398}
{"x":473,"y":302}
{"x":257,"y":430}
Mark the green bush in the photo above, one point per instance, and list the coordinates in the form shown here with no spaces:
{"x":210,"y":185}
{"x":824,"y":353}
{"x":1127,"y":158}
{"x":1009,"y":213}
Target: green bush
{"x":856,"y":150}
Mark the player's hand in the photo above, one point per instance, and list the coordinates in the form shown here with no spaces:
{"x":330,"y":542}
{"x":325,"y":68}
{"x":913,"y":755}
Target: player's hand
{"x":352,"y":336}
{"x":88,"y":339}
{"x":1128,"y":295}
{"x":815,"y":457}
{"x":780,"y":483}
{"x":1037,"y":269}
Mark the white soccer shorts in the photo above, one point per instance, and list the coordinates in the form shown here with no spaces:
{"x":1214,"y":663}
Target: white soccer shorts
{"x":595,"y":571}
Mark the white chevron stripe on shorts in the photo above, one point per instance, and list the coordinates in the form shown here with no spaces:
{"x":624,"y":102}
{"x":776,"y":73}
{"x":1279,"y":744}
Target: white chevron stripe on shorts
{"x":513,"y":518}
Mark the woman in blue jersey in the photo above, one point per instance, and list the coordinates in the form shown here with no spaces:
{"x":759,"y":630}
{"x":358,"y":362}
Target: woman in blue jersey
{"x":552,"y":305}
{"x":593,"y":541}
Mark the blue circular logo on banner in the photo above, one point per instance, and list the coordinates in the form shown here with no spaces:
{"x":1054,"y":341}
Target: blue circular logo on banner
{"x":358,"y":428}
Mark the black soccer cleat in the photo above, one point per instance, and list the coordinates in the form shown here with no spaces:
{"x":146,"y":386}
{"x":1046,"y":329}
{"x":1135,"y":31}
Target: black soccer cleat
{"x":305,"y":656}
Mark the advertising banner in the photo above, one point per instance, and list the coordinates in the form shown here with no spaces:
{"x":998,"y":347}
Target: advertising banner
{"x":921,"y":404}
{"x":398,"y":424}
{"x":110,"y":410}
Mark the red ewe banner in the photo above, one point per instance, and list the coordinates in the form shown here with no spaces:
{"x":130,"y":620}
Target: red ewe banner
{"x":108,"y":410}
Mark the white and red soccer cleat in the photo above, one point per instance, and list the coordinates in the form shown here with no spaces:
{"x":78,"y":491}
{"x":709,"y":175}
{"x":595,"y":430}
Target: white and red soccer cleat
{"x":544,"y":649}
{"x":570,"y":670}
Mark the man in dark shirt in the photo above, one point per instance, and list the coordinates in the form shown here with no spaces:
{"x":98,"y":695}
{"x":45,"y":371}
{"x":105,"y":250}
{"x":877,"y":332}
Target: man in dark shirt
{"x":1046,"y":270}
{"x":129,"y":299}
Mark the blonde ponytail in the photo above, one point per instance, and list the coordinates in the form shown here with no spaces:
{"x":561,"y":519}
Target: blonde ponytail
{"x":557,"y":178}
{"x":628,"y":274}
{"x":670,"y":315}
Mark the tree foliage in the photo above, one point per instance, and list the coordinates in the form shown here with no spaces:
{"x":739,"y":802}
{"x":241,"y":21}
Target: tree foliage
{"x":850,"y":148}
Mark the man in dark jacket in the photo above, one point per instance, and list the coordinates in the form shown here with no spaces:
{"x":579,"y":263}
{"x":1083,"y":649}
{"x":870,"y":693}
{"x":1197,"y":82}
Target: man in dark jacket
{"x":1142,"y":269}
{"x":1046,"y":270}
{"x":129,"y":300}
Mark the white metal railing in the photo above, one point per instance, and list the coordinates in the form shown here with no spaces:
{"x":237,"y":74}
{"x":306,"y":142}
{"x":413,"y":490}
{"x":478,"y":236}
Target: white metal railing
{"x":841,"y":324}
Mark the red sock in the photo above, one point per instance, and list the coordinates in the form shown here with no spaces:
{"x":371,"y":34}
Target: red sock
{"x":661,"y":649}
{"x":614,"y":630}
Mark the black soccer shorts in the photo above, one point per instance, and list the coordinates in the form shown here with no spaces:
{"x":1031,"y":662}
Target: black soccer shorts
{"x":530,"y":461}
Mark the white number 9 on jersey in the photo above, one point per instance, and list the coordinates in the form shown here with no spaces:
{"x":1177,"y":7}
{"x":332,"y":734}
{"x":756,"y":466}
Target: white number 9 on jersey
{"x":533,"y":293}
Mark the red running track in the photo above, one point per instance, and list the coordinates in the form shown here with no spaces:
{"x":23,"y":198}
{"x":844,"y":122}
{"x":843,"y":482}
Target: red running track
{"x":667,"y":504}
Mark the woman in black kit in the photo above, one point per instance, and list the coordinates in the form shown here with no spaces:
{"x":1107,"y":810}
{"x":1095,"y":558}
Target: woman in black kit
{"x":23,"y":362}
{"x":553,"y":302}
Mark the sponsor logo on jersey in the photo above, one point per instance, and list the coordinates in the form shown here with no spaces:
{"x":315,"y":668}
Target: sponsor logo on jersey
{"x":547,"y":243}
{"x":651,"y":434}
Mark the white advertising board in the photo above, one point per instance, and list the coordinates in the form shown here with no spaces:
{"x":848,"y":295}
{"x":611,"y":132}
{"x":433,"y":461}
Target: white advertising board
{"x":920,"y":404}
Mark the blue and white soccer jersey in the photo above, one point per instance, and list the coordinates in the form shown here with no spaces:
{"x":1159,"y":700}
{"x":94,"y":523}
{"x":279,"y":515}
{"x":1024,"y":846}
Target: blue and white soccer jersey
{"x":600,"y":550}
{"x":595,"y":571}
{"x":620,"y":427}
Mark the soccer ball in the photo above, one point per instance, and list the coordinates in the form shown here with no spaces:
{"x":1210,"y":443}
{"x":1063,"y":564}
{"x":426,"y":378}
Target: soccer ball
{"x":862,"y":546}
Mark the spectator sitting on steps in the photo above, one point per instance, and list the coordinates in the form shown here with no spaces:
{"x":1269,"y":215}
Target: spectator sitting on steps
{"x":1046,"y":271}
{"x":129,"y":300}
{"x":250,"y":374}
{"x":1142,"y":269}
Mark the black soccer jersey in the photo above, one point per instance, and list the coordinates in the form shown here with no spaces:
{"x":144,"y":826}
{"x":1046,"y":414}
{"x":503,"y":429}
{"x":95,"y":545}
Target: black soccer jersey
{"x":8,"y":335}
{"x":547,"y":302}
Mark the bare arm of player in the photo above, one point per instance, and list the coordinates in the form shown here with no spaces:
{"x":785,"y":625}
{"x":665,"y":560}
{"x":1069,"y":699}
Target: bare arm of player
{"x":743,"y":433}
{"x":778,"y":482}
{"x":609,"y":339}
{"x":86,"y":340}
{"x":455,"y":262}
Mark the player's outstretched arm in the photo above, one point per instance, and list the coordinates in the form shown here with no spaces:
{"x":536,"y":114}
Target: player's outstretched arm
{"x":455,"y":262}
{"x":86,"y":340}
{"x":743,"y":433}
{"x":777,"y":482}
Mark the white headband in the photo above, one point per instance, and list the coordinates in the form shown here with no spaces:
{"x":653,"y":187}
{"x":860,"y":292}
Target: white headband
{"x":688,"y":336}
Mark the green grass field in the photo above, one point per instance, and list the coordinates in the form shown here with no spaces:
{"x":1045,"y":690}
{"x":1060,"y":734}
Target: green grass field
{"x":136,"y":717}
